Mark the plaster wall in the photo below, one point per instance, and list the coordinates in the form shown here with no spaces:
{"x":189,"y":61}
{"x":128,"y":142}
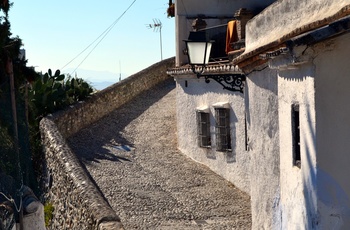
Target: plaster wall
{"x":187,"y":10}
{"x":232,"y":165}
{"x":333,"y":132}
{"x":284,"y":17}
{"x":298,"y":185}
{"x":261,"y":104}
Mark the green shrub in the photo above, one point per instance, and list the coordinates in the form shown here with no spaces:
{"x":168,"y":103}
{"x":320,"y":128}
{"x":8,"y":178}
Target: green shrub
{"x":48,"y":212}
{"x":48,"y":94}
{"x":54,"y":92}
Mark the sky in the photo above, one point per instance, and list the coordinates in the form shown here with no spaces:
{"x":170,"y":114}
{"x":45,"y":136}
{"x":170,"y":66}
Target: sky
{"x":55,"y":32}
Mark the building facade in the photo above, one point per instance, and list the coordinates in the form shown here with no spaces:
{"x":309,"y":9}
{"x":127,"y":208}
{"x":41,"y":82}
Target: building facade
{"x":284,"y":139}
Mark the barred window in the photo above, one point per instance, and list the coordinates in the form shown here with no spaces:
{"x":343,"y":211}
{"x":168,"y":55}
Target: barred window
{"x":222,"y":131}
{"x":296,"y":135}
{"x":203,"y":129}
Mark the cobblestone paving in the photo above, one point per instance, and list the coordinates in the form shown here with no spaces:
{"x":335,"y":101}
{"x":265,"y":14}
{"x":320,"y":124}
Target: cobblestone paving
{"x":131,"y":155}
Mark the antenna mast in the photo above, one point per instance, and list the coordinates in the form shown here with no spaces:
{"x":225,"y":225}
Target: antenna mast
{"x":157,"y":26}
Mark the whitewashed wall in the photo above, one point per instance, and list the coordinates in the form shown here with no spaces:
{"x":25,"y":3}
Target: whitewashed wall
{"x":286,"y":16}
{"x":316,"y":196}
{"x":298,"y":185}
{"x":233,"y":165}
{"x":333,"y":132}
{"x":263,"y":132}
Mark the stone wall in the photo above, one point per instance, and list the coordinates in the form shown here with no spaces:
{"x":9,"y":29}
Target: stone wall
{"x":102,"y":103}
{"x":78,"y":203}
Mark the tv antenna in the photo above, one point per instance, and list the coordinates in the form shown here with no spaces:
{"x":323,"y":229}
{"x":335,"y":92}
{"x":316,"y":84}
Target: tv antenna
{"x":157,"y":26}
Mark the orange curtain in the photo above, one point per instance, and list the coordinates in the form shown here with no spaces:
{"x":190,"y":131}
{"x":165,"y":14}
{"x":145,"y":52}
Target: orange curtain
{"x":231,"y":35}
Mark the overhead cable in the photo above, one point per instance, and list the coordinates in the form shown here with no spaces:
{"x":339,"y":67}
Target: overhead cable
{"x":100,"y":38}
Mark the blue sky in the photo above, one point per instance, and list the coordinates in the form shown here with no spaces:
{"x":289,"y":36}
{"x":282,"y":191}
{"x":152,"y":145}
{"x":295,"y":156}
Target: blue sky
{"x":54,"y":32}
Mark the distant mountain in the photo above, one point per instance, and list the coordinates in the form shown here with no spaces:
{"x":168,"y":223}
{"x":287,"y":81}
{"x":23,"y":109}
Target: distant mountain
{"x":98,"y":79}
{"x":101,"y":85}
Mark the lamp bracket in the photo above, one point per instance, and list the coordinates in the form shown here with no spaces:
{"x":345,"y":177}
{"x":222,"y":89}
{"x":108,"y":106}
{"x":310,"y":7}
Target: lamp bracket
{"x":231,"y":82}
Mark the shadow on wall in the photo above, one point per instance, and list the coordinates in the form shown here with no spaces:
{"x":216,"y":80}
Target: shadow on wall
{"x":231,"y":155}
{"x":332,"y":210}
{"x":310,"y":177}
{"x":104,"y":139}
{"x":198,"y":87}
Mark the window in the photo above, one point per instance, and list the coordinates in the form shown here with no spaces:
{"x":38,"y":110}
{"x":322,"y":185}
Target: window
{"x":222,"y":129}
{"x":296,"y":135}
{"x":203,"y":119}
{"x":246,"y":140}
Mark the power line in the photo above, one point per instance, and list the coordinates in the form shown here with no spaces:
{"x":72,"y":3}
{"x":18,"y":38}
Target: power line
{"x":103,"y":35}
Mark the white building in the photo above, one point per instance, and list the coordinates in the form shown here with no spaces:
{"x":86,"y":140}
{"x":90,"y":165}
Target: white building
{"x":284,"y":140}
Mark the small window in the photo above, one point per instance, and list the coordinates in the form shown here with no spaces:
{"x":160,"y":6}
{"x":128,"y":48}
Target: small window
{"x":296,"y":135}
{"x":203,"y":129}
{"x":222,"y":129}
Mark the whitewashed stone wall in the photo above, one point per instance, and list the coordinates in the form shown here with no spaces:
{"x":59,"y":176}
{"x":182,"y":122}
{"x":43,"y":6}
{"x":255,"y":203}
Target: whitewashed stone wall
{"x":332,"y":84}
{"x":263,"y":133}
{"x":232,"y":165}
{"x":298,"y":185}
{"x":315,"y":196}
{"x":289,"y":17}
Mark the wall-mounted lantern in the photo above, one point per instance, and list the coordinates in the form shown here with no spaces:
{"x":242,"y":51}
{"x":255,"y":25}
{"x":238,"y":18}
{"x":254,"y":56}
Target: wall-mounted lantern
{"x":198,"y":50}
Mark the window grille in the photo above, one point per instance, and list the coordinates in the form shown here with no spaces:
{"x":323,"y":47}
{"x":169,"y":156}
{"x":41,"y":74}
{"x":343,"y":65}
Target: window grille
{"x":296,"y":135}
{"x":222,"y":131}
{"x":203,"y":129}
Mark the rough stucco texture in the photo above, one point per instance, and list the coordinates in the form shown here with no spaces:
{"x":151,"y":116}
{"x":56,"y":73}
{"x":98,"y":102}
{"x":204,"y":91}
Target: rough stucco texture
{"x":232,"y":165}
{"x":282,"y":17}
{"x":333,"y":131}
{"x":263,"y":133}
{"x":298,"y":185}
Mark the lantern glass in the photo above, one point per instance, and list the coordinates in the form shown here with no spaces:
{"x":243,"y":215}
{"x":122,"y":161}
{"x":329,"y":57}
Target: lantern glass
{"x":198,"y":52}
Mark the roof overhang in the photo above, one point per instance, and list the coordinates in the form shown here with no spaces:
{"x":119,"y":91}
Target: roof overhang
{"x":270,"y":31}
{"x":222,"y":68}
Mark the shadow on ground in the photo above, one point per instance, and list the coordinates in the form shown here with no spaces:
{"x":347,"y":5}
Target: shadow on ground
{"x":100,"y":140}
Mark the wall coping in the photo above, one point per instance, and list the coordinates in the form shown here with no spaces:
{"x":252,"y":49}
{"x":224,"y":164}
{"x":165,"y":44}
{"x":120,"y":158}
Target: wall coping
{"x":286,"y":19}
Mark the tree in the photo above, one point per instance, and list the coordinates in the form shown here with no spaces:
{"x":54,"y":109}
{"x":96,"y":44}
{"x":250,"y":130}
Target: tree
{"x":22,"y":107}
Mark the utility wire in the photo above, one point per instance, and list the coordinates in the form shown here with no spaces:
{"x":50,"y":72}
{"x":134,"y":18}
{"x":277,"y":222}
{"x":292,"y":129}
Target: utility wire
{"x":103,"y":35}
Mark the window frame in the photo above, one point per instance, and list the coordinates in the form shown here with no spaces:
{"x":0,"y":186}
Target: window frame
{"x":295,"y":120}
{"x":222,"y":129}
{"x":203,"y":129}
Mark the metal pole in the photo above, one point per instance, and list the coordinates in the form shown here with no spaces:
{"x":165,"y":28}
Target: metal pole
{"x":9,"y":70}
{"x":161,"y":47}
{"x":158,"y":24}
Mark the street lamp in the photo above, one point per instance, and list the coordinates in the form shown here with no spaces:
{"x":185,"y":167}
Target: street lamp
{"x":198,"y":50}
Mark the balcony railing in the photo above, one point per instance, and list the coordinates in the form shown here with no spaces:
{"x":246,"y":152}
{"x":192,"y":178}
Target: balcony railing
{"x":218,"y":34}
